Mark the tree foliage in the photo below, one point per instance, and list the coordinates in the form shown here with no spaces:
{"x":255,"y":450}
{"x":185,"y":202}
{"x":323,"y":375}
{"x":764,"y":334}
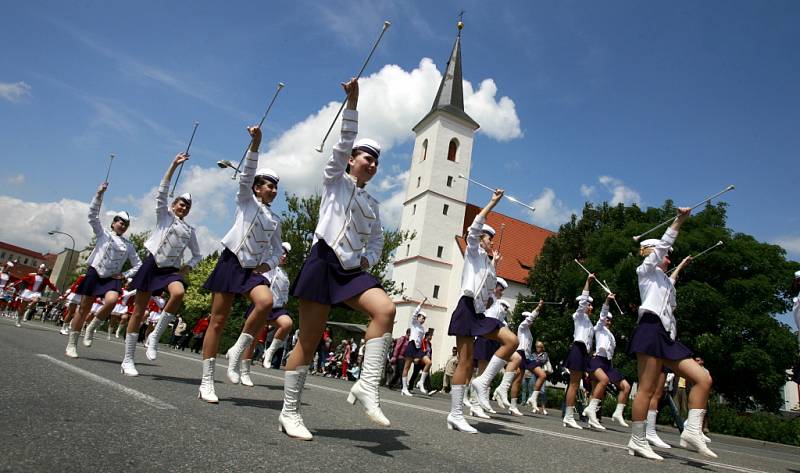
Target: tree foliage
{"x":727,"y":299}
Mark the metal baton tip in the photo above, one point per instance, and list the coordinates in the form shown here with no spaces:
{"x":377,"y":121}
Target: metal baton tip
{"x":318,"y":149}
{"x":387,"y":24}
{"x":281,"y":85}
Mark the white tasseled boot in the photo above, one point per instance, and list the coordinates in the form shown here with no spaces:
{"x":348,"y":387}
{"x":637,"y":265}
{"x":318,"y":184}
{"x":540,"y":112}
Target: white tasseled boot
{"x":650,"y":430}
{"x":514,"y":409}
{"x":235,"y":357}
{"x":693,"y":431}
{"x":421,"y":383}
{"x":638,"y":445}
{"x":617,"y":416}
{"x":501,"y":393}
{"x":152,"y":340}
{"x":289,"y":420}
{"x":72,"y":344}
{"x":591,"y":412}
{"x":456,"y":420}
{"x":245,"y":376}
{"x":569,"y":418}
{"x":128,"y":367}
{"x":365,"y":390}
{"x":88,"y":337}
{"x":206,"y":392}
{"x":273,"y":347}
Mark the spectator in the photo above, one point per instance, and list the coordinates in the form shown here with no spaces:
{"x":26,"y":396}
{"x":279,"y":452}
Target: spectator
{"x":449,"y":370}
{"x":397,"y":359}
{"x":180,"y":329}
{"x":199,"y":332}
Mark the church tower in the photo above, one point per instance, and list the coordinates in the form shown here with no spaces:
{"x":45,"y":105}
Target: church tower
{"x":434,"y":206}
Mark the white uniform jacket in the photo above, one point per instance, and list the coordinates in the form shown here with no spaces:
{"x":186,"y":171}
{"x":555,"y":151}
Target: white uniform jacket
{"x":349,"y":217}
{"x":524,"y":333}
{"x":478,"y":279}
{"x":279,"y":284}
{"x":497,"y":311}
{"x":255,"y":236}
{"x":3,"y":280}
{"x":110,"y":251}
{"x":656,"y":289}
{"x":604,"y":340}
{"x":583,"y":331}
{"x":172,"y":235}
{"x":417,"y":329}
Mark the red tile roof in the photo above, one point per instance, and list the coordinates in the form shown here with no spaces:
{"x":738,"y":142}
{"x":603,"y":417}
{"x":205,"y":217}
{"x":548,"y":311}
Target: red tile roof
{"x":520,"y":245}
{"x":21,"y":250}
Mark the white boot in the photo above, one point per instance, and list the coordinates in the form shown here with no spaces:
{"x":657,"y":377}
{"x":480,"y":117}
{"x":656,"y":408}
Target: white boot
{"x":128,"y":367}
{"x":421,"y":383}
{"x":119,"y":329}
{"x":152,"y":340}
{"x":638,"y":445}
{"x":456,"y":420}
{"x":405,"y":391}
{"x":475,"y":410}
{"x":480,"y":385}
{"x":365,"y":390}
{"x":289,"y":420}
{"x":108,"y":336}
{"x":72,"y":344}
{"x":569,"y":418}
{"x":65,"y":329}
{"x":617,"y":416}
{"x":693,"y":431}
{"x":245,"y":376}
{"x":505,"y":384}
{"x":88,"y":337}
{"x":652,"y":436}
{"x":273,"y":347}
{"x":206,"y":392}
{"x":535,"y":402}
{"x":235,"y":357}
{"x":591,"y":412}
{"x":513,"y":409}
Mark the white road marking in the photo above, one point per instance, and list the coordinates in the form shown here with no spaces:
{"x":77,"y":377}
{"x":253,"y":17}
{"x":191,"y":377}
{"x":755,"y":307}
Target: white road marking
{"x":138,"y":395}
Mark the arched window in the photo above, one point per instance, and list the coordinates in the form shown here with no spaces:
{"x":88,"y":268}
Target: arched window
{"x":424,"y":150}
{"x":452,"y":150}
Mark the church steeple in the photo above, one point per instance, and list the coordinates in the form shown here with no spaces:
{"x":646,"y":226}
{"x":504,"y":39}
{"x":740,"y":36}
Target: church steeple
{"x":450,"y":96}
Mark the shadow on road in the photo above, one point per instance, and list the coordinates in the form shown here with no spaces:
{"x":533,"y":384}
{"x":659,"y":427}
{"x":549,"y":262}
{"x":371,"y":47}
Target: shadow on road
{"x":378,"y":441}
{"x":113,"y":362}
{"x":272,"y":404}
{"x":486,"y":428}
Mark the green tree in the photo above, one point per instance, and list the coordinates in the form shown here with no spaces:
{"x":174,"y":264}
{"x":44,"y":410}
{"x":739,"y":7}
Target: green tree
{"x":727,"y":299}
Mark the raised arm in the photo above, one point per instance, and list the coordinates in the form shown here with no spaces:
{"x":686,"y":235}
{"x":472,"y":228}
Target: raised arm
{"x":601,"y":322}
{"x":248,"y":172}
{"x":679,"y":268}
{"x":475,"y":230}
{"x":667,"y":240}
{"x":162,"y":209}
{"x":94,"y":210}
{"x":583,"y":299}
{"x":413,"y":321}
{"x":337,"y":164}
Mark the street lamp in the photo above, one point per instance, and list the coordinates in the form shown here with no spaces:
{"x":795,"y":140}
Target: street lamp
{"x":69,"y":259}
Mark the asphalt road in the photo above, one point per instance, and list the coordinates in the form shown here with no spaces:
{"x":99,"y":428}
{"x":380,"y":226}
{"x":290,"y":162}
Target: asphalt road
{"x":61,"y":414}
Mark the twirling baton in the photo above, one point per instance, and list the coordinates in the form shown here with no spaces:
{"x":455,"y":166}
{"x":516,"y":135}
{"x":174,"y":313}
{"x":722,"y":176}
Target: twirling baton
{"x":510,"y":198}
{"x":108,"y":172}
{"x":601,"y":284}
{"x":671,"y":219}
{"x":719,"y":243}
{"x":191,"y":138}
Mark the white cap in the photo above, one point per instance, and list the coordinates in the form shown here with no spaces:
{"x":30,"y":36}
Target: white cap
{"x":504,"y":303}
{"x":9,"y":264}
{"x":502,"y":282}
{"x":797,"y":274}
{"x":187,"y":197}
{"x":42,"y":266}
{"x":123,"y":215}
{"x":589,"y":298}
{"x":650,"y":243}
{"x":527,"y":313}
{"x":422,"y":314}
{"x":609,"y":315}
{"x":269,"y":174}
{"x":368,"y":146}
{"x":488,"y":229}
{"x":287,"y":247}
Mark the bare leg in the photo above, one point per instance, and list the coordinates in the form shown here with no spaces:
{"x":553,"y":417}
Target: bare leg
{"x":649,"y":368}
{"x":140,"y":305}
{"x":375,"y":303}
{"x":220,"y":310}
{"x":261,"y":297}
{"x":313,"y":316}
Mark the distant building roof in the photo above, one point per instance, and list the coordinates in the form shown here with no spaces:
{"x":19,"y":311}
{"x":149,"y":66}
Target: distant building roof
{"x":520,"y":245}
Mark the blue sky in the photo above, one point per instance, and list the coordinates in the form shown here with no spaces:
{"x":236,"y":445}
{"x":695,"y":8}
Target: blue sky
{"x":631,"y":101}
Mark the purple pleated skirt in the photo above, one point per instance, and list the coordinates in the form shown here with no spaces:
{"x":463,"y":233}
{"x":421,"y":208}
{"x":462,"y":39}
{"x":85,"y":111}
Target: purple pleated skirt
{"x":465,"y":322}
{"x":603,"y":363}
{"x":650,"y":338}
{"x":483,"y":349}
{"x":526,"y":363}
{"x":273,"y":315}
{"x":229,"y":276}
{"x":413,"y":352}
{"x":323,"y":280}
{"x":150,"y":278}
{"x":577,"y":357}
{"x":95,"y":286}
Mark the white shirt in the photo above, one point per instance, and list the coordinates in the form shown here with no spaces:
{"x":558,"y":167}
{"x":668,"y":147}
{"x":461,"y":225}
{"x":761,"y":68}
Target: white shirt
{"x":349,"y":217}
{"x":172,"y":235}
{"x":524,"y":332}
{"x":478,"y":279}
{"x":279,"y":284}
{"x":417,"y":329}
{"x":604,"y":341}
{"x":583,"y":331}
{"x":497,"y":311}
{"x":111,"y":250}
{"x":255,"y":236}
{"x":3,"y":279}
{"x":656,"y":289}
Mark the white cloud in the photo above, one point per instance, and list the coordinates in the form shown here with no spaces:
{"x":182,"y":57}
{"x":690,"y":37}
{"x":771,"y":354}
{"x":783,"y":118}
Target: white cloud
{"x":789,"y":243}
{"x":587,"y":191}
{"x":550,"y":212}
{"x":620,"y":193}
{"x":14,"y":92}
{"x":498,"y":118}
{"x":16,"y":180}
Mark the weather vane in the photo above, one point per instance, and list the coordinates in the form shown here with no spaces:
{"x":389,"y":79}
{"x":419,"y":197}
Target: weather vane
{"x":460,"y":21}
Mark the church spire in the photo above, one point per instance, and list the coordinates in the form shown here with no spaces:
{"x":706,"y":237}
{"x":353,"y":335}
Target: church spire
{"x":450,"y":96}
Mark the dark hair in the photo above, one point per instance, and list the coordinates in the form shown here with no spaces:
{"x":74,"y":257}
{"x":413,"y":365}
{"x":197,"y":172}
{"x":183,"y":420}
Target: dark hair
{"x":188,"y":204}
{"x":119,"y":219}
